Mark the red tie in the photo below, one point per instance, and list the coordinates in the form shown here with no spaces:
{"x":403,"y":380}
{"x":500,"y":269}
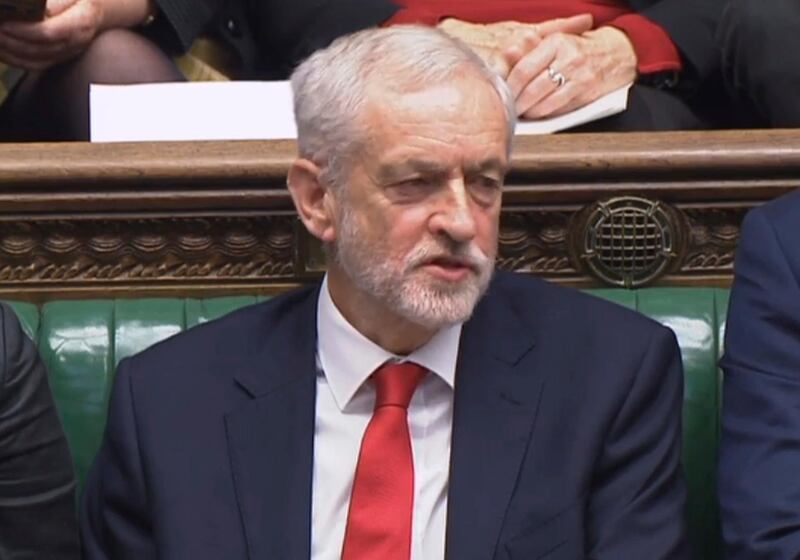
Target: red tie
{"x":382,"y":502}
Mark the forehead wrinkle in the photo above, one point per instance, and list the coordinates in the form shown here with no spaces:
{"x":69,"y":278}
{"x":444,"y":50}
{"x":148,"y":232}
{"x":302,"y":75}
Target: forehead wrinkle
{"x":428,"y":136}
{"x":426,"y":166}
{"x":453,"y":105}
{"x":398,"y":125}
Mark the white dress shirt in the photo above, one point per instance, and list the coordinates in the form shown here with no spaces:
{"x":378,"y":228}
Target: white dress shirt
{"x":345,"y":360}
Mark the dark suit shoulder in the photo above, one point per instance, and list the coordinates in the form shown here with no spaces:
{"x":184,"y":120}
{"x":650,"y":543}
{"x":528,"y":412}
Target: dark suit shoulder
{"x":783,"y":212}
{"x":233,"y":338}
{"x":553,"y":307}
{"x":776,"y":222}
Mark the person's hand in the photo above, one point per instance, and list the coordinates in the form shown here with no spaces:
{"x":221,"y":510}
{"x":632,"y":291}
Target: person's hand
{"x":499,"y":44}
{"x":68,"y":28}
{"x":566,"y":71}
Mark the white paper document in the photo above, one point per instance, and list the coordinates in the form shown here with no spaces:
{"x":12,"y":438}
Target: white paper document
{"x":191,"y":111}
{"x":610,"y":104}
{"x":244,"y":111}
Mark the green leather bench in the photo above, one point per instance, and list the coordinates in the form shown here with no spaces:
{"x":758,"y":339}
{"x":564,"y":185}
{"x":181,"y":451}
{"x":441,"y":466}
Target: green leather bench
{"x":82,"y":341}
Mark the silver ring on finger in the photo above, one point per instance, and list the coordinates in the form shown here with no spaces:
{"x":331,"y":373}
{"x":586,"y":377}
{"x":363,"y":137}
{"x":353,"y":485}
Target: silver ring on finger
{"x":556,"y":77}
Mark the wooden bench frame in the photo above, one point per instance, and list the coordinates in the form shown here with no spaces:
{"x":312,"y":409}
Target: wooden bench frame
{"x":200,"y":218}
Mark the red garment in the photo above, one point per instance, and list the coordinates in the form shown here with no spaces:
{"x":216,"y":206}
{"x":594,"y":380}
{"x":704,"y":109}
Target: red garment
{"x":655,"y":50}
{"x":379,"y":520}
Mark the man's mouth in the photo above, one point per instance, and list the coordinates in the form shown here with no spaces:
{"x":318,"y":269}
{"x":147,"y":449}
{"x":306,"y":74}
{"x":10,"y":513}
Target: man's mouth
{"x":450,"y":269}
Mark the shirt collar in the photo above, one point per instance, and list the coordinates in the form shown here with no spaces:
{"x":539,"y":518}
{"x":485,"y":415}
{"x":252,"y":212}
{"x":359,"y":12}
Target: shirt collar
{"x":348,"y":358}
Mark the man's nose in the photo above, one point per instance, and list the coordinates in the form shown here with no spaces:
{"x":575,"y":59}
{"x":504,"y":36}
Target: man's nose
{"x":454,"y":216}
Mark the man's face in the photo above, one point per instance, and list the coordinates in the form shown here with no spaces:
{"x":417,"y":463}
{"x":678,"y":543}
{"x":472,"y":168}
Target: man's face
{"x":417,"y":224}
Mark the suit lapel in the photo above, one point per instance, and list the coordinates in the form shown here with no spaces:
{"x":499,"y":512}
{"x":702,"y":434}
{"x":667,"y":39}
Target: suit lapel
{"x":270,"y":439}
{"x":496,"y":399}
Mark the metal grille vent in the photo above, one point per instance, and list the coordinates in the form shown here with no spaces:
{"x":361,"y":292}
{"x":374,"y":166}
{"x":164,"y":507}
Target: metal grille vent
{"x":629,"y":241}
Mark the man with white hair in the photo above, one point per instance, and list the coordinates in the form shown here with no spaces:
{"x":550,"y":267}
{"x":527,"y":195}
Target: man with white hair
{"x":414,"y":404}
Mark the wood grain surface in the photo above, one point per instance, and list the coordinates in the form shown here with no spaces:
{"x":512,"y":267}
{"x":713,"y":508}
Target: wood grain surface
{"x":200,"y":218}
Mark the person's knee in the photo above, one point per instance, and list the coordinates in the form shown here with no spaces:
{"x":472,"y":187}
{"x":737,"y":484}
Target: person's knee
{"x":739,"y":26}
{"x":743,"y":15}
{"x":742,"y":38}
{"x":122,"y":56}
{"x":752,"y":23}
{"x":759,"y":43}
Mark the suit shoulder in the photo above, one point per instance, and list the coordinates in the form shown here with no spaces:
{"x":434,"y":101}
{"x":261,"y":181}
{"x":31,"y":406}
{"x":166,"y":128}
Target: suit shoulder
{"x":237,"y":334}
{"x":776,"y":224}
{"x":556,"y":306}
{"x":781,"y":213}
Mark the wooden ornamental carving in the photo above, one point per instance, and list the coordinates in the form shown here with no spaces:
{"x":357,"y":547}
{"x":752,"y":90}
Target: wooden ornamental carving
{"x":213,"y":218}
{"x":535,"y":241}
{"x":141,"y":251}
{"x":714,"y":233}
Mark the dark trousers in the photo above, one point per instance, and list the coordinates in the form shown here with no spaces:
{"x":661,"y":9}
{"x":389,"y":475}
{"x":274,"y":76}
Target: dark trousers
{"x":760,"y":44}
{"x":650,"y":109}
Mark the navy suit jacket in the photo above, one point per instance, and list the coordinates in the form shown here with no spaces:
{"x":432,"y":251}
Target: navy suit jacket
{"x":566,"y":436}
{"x":759,"y":468}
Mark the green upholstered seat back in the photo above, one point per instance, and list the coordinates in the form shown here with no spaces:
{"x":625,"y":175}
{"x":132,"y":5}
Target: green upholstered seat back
{"x":82,"y":341}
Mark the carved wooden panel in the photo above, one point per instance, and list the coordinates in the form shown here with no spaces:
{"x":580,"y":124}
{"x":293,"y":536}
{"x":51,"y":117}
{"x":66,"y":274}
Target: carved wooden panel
{"x":207,"y":218}
{"x":146,"y":250}
{"x":714,"y":235}
{"x":535,"y":241}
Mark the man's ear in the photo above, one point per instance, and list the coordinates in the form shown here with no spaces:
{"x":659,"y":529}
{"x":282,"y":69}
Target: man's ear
{"x":312,"y":199}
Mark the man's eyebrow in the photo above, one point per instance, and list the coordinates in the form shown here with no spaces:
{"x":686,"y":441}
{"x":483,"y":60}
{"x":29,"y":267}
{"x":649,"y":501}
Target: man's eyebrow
{"x":491,"y":164}
{"x":422,"y":166}
{"x":397,"y":171}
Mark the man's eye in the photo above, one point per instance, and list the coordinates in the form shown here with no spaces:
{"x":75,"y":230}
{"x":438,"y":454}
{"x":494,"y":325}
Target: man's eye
{"x":485,"y":188}
{"x":414,"y":182}
{"x":413,"y":187}
{"x":489,"y":182}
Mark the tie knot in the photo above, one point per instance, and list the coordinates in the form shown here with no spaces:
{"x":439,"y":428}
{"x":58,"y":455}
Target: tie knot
{"x":395,"y":383}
